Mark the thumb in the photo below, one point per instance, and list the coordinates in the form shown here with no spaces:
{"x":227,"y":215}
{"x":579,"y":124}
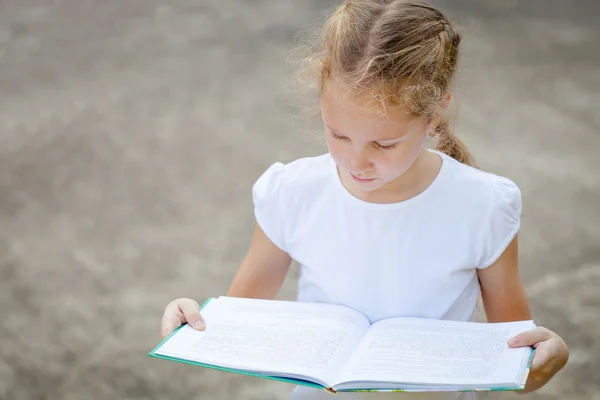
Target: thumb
{"x":196,"y":320}
{"x":191,"y":312}
{"x":530,"y":338}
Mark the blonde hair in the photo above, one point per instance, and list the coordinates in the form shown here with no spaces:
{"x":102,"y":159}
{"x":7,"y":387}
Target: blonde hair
{"x":399,"y":52}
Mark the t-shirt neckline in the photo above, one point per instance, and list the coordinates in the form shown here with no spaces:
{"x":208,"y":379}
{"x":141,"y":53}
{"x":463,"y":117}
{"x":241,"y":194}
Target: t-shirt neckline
{"x":349,"y":197}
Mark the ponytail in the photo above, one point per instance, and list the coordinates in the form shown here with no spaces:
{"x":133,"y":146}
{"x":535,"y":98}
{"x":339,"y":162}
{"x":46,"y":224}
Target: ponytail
{"x":449,"y":144}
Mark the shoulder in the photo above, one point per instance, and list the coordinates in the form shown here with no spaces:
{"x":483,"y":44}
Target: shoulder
{"x":491,"y":204}
{"x":308,"y":173}
{"x":485,"y":188}
{"x":284,"y":191}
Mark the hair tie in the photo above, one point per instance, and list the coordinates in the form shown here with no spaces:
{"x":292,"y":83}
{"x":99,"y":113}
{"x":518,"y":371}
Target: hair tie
{"x":452,"y":34}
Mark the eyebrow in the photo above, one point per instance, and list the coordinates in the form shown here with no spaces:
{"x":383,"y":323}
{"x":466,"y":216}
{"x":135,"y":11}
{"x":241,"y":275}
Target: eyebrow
{"x":392,"y":140}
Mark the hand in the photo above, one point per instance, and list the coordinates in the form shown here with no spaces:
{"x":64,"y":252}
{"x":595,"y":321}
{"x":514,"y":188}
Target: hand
{"x":181,"y":311}
{"x":551,"y":355}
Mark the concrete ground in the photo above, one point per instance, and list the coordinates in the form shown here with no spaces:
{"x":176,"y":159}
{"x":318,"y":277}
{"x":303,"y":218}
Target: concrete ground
{"x":131,"y":133}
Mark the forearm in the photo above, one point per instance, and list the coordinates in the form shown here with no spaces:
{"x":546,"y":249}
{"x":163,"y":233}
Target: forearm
{"x":263,"y":270}
{"x":257,"y":284}
{"x":506,"y":305}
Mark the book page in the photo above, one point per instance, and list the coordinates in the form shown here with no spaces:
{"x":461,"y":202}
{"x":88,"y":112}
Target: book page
{"x":274,"y":337}
{"x":422,"y":351}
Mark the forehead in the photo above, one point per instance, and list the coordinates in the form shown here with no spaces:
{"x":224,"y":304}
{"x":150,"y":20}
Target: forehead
{"x":351,"y":115}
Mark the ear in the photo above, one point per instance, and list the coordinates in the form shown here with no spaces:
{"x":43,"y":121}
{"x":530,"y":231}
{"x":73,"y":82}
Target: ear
{"x":434,"y":122}
{"x":446,"y":102}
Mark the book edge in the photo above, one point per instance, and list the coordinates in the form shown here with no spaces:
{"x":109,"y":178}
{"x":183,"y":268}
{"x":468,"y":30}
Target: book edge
{"x":527,"y":369}
{"x":241,"y":372}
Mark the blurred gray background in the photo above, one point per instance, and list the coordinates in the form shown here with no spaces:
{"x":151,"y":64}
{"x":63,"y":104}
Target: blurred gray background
{"x":131,"y":133}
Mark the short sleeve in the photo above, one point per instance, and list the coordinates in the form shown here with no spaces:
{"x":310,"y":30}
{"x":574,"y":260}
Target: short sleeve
{"x":503,"y":220}
{"x":267,"y":195}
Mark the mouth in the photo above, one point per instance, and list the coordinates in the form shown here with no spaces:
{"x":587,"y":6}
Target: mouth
{"x":362,"y":180}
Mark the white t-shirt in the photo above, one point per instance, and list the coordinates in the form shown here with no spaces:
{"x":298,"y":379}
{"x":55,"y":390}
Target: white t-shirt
{"x":415,"y":258}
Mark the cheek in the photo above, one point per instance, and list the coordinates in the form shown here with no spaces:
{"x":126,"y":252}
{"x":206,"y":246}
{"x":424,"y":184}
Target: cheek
{"x":336,"y":149}
{"x":397,"y":161}
{"x":390,"y":165}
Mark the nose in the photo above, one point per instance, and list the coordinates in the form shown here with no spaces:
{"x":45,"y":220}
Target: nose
{"x":359,"y":162}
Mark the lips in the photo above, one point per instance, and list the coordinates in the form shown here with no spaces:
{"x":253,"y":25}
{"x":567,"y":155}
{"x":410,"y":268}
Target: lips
{"x":362,"y":180}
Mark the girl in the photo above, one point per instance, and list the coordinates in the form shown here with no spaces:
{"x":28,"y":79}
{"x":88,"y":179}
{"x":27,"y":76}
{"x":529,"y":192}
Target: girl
{"x":380,"y":223}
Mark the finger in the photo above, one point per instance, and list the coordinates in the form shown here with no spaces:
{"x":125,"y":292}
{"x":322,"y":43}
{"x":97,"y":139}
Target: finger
{"x":530,"y":338}
{"x":168,"y":324}
{"x":173,"y":309}
{"x":541,"y":359}
{"x":191,"y":313}
{"x":172,"y":317}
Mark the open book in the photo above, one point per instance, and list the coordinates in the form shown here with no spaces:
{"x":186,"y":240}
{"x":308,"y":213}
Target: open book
{"x":336,"y":348}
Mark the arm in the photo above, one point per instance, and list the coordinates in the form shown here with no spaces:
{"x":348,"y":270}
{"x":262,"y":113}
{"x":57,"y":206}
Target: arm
{"x":504,"y":299}
{"x":502,"y":291}
{"x":263,"y":270}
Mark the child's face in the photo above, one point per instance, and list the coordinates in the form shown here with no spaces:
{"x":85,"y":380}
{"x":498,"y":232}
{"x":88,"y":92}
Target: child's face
{"x":371,"y":148}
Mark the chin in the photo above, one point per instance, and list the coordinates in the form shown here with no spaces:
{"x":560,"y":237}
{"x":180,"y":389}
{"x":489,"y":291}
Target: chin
{"x":369,"y":187}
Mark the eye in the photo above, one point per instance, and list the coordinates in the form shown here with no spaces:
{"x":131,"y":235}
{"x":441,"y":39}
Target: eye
{"x":380,"y":146}
{"x":338,"y":137}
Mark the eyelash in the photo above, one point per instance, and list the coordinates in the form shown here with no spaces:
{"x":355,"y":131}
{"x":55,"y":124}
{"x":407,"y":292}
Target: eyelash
{"x":375,"y":144}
